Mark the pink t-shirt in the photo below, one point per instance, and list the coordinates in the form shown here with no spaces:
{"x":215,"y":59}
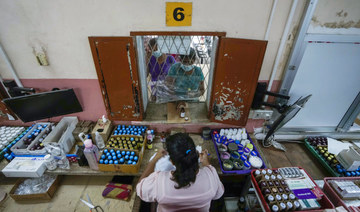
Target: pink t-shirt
{"x":158,"y":187}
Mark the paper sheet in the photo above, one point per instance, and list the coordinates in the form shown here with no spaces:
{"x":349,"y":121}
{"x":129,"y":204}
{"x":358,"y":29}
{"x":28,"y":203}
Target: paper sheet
{"x":335,"y":146}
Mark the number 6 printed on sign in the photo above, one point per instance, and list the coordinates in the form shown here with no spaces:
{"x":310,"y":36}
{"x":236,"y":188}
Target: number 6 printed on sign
{"x":178,"y":14}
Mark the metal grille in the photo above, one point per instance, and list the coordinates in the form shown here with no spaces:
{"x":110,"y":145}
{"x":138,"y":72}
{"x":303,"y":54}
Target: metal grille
{"x":172,"y":50}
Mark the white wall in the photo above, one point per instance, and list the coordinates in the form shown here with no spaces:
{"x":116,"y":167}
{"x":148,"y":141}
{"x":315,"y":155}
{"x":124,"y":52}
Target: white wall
{"x":62,"y":29}
{"x":336,"y":17}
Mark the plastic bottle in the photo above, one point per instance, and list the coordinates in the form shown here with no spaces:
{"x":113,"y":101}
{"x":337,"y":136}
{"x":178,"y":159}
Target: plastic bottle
{"x":99,"y":140}
{"x":91,"y":153}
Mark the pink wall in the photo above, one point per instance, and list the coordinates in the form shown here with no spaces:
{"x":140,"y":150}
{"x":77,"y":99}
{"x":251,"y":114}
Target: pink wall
{"x":89,"y":95}
{"x":87,"y":91}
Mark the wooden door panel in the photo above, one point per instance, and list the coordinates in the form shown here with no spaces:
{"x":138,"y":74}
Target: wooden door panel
{"x":236,"y":74}
{"x":117,"y":72}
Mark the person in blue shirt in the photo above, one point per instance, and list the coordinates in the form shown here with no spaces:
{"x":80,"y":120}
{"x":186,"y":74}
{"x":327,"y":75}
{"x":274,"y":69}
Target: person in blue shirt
{"x":186,"y":79}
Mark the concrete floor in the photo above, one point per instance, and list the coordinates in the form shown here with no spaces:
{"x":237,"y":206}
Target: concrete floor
{"x":67,"y":196}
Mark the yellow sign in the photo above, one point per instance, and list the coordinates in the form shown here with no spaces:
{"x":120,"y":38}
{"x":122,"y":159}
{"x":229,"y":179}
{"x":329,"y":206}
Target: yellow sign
{"x":178,"y":14}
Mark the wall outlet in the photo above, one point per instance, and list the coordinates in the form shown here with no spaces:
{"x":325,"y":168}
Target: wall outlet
{"x":260,"y":114}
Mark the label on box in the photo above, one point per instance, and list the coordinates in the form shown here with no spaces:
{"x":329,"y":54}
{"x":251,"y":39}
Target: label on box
{"x":304,"y":194}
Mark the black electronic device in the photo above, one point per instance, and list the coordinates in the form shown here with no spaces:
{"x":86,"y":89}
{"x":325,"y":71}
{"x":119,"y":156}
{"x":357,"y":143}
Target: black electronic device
{"x":44,"y":105}
{"x":287,"y":113}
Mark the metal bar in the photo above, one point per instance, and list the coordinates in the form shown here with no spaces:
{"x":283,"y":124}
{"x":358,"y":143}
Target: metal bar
{"x":211,"y":70}
{"x":298,"y":50}
{"x":142,"y":69}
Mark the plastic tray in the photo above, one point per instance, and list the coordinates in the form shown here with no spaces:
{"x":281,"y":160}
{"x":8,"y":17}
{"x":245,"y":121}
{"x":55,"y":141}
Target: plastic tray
{"x":20,"y":143}
{"x":62,"y":133}
{"x":321,"y":160}
{"x":324,"y":202}
{"x":334,"y":197}
{"x":234,"y":171}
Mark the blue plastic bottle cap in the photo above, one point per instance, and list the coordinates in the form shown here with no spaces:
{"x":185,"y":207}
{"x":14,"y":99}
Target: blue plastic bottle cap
{"x":122,"y":160}
{"x":113,"y":154}
{"x":126,"y":157}
{"x":353,"y":173}
{"x":116,"y":162}
{"x":241,"y":152}
{"x":108,"y":154}
{"x":129,"y":162}
{"x":6,"y":155}
{"x":237,"y":142}
{"x":134,"y":163}
{"x":348,"y":174}
{"x":103,"y":156}
{"x":106,"y":161}
{"x":247,"y":164}
{"x":253,"y":153}
{"x":339,"y":170}
{"x":101,"y":161}
{"x":131,"y":157}
{"x":243,"y":158}
{"x":357,"y":173}
{"x":123,"y":152}
{"x":132,"y":153}
{"x":338,"y":166}
{"x":111,"y":161}
{"x":109,"y":157}
{"x":136,"y":158}
{"x":119,"y":156}
{"x":118,"y":152}
{"x":127,"y":152}
{"x":114,"y":158}
{"x":111,"y":150}
{"x":131,"y":139}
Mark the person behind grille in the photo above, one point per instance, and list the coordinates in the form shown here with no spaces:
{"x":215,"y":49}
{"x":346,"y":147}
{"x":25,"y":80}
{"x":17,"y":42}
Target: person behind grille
{"x":189,"y":187}
{"x":158,"y":65}
{"x":186,"y":79}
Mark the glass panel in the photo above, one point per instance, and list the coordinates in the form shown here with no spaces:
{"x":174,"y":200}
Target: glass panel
{"x":177,"y":67}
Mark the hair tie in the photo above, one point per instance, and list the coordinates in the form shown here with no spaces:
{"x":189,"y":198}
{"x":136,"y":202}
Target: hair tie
{"x":187,"y":151}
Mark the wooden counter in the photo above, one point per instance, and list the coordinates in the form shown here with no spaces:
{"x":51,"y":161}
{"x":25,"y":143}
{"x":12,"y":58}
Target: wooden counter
{"x":75,"y":169}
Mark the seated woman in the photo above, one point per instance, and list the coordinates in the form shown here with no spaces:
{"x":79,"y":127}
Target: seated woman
{"x":186,"y":79}
{"x":188,"y":188}
{"x":158,"y":65}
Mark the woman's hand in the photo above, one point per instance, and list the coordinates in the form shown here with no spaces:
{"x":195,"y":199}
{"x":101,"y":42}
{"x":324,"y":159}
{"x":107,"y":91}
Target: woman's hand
{"x":204,"y":157}
{"x":160,"y":153}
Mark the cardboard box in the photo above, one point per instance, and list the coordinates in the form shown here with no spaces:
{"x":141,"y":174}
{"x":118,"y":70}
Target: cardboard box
{"x":25,"y":167}
{"x":124,"y":168}
{"x":103,"y":129}
{"x":40,"y":196}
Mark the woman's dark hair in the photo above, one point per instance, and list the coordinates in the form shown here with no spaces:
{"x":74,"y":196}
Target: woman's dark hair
{"x":182,"y":152}
{"x":190,"y":57}
{"x":152,"y":42}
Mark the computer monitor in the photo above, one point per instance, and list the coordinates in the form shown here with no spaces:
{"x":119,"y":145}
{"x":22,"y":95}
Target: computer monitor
{"x":44,"y":105}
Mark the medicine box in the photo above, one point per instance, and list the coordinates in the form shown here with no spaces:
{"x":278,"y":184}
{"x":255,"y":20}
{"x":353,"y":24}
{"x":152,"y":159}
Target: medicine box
{"x":103,"y":129}
{"x":25,"y":167}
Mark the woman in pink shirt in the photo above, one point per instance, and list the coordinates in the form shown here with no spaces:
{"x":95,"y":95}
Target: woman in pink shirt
{"x":189,"y":187}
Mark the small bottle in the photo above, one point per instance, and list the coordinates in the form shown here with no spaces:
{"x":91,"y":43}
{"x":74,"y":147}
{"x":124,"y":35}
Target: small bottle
{"x":149,"y":144}
{"x":182,"y":113}
{"x":50,"y":162}
{"x":99,"y":140}
{"x":241,"y":204}
{"x":91,"y":153}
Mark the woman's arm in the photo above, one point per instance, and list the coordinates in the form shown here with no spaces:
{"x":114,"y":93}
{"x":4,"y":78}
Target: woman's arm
{"x":151,"y":165}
